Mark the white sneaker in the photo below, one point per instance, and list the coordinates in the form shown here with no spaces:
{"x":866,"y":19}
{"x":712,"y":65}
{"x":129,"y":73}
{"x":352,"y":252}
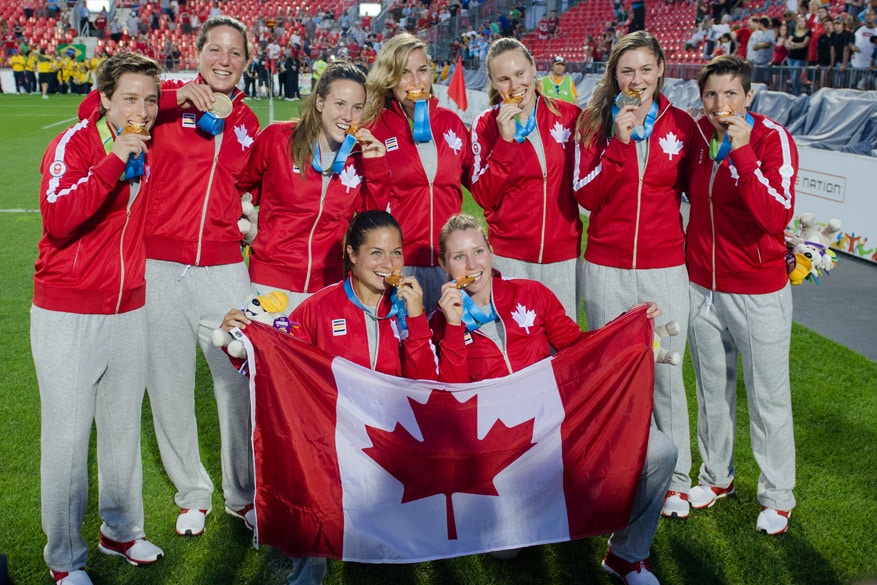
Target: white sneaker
{"x":190,"y":522}
{"x":247,"y":514}
{"x":637,"y":573}
{"x":773,"y":522}
{"x":676,"y":506}
{"x":77,"y":577}
{"x":704,"y":496}
{"x":137,"y":552}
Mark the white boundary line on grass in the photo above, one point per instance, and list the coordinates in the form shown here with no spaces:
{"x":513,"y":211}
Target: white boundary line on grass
{"x":19,"y":210}
{"x":67,"y":121}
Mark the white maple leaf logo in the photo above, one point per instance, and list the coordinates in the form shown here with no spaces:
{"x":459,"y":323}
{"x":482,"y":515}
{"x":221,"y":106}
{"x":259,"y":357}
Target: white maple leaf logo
{"x":524,"y":318}
{"x":670,"y":144}
{"x":349,"y":178}
{"x":560,"y":134}
{"x":453,"y":141}
{"x":243,"y":137}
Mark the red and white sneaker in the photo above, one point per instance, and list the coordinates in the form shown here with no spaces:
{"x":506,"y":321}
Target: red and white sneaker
{"x":247,"y":514}
{"x":77,"y":577}
{"x":704,"y":496}
{"x":675,"y":506}
{"x":137,"y":552}
{"x":636,"y":573}
{"x":191,"y":521}
{"x":772,"y":521}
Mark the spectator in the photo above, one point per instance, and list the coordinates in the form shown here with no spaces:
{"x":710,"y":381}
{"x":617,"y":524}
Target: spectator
{"x":743,"y":34}
{"x":100,"y":23}
{"x":637,"y":16}
{"x":557,"y":84}
{"x":797,"y":43}
{"x":742,"y":198}
{"x":553,"y":24}
{"x":862,"y":49}
{"x":840,"y":41}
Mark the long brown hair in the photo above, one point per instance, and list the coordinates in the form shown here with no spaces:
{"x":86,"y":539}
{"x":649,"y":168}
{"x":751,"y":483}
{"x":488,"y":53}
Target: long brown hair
{"x":595,"y":122}
{"x":301,"y":145}
{"x":503,"y":45}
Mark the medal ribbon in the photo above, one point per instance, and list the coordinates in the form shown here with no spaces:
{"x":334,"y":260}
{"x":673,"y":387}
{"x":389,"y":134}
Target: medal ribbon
{"x":648,"y":125}
{"x":474,"y":316}
{"x":134,"y":168}
{"x":422,"y":132}
{"x":521,"y":132}
{"x":397,"y":310}
{"x":340,"y":156}
{"x":720,"y":151}
{"x":210,"y":123}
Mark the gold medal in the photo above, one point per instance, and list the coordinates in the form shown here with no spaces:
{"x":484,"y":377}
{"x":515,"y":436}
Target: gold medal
{"x":221,"y":106}
{"x":628,"y":97}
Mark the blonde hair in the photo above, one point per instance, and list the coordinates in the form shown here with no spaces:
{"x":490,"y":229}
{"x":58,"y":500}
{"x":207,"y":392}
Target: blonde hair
{"x":301,"y":144}
{"x":387,"y":71}
{"x":456,"y":223}
{"x":504,"y":45}
{"x":595,"y":122}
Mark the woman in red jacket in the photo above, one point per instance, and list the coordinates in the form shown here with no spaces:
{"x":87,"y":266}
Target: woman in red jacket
{"x":632,"y":149}
{"x":88,"y":322}
{"x":428,"y":151}
{"x":364,"y":319}
{"x":308,"y":179}
{"x":476,"y":339}
{"x":522,"y":175}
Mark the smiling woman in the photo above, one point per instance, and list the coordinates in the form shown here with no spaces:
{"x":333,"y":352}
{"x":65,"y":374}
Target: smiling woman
{"x":633,"y":151}
{"x":309,"y":177}
{"x":364,"y":319}
{"x":193,"y":223}
{"x":522,"y":175}
{"x":88,"y":324}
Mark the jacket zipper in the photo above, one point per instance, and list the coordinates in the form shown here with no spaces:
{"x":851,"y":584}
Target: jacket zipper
{"x":431,"y":228}
{"x":311,"y":237}
{"x":122,"y":256}
{"x":217,"y":142}
{"x":544,"y":213}
{"x":716,"y":166}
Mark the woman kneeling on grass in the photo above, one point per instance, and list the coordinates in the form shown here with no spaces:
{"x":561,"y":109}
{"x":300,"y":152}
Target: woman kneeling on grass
{"x":474,"y":342}
{"x":386,"y":327}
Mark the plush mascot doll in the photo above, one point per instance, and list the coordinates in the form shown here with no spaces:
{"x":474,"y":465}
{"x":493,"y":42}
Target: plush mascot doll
{"x":809,"y":253}
{"x":268,"y":309}
{"x":663,"y":356}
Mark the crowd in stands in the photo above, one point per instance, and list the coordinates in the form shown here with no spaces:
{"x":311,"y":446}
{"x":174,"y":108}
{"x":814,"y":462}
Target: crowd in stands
{"x":815,"y":45}
{"x":809,"y":46}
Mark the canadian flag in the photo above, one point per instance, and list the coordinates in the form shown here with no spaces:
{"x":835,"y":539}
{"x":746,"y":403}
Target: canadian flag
{"x":360,"y":466}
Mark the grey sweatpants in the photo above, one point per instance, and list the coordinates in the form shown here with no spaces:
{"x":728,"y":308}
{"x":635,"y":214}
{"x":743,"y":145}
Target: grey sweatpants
{"x":89,"y":368}
{"x":610,"y":292}
{"x":634,"y":541}
{"x":184,"y":304}
{"x":561,"y":277}
{"x":757,"y":328}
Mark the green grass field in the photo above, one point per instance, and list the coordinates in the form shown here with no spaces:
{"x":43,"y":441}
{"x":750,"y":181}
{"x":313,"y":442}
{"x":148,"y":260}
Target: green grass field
{"x":832,"y":539}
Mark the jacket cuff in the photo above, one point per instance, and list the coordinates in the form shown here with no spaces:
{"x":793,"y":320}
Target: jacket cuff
{"x":745,"y":159}
{"x":110,"y":169}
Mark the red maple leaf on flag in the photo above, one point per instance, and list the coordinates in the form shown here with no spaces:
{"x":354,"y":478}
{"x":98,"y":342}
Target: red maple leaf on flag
{"x":450,"y":459}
